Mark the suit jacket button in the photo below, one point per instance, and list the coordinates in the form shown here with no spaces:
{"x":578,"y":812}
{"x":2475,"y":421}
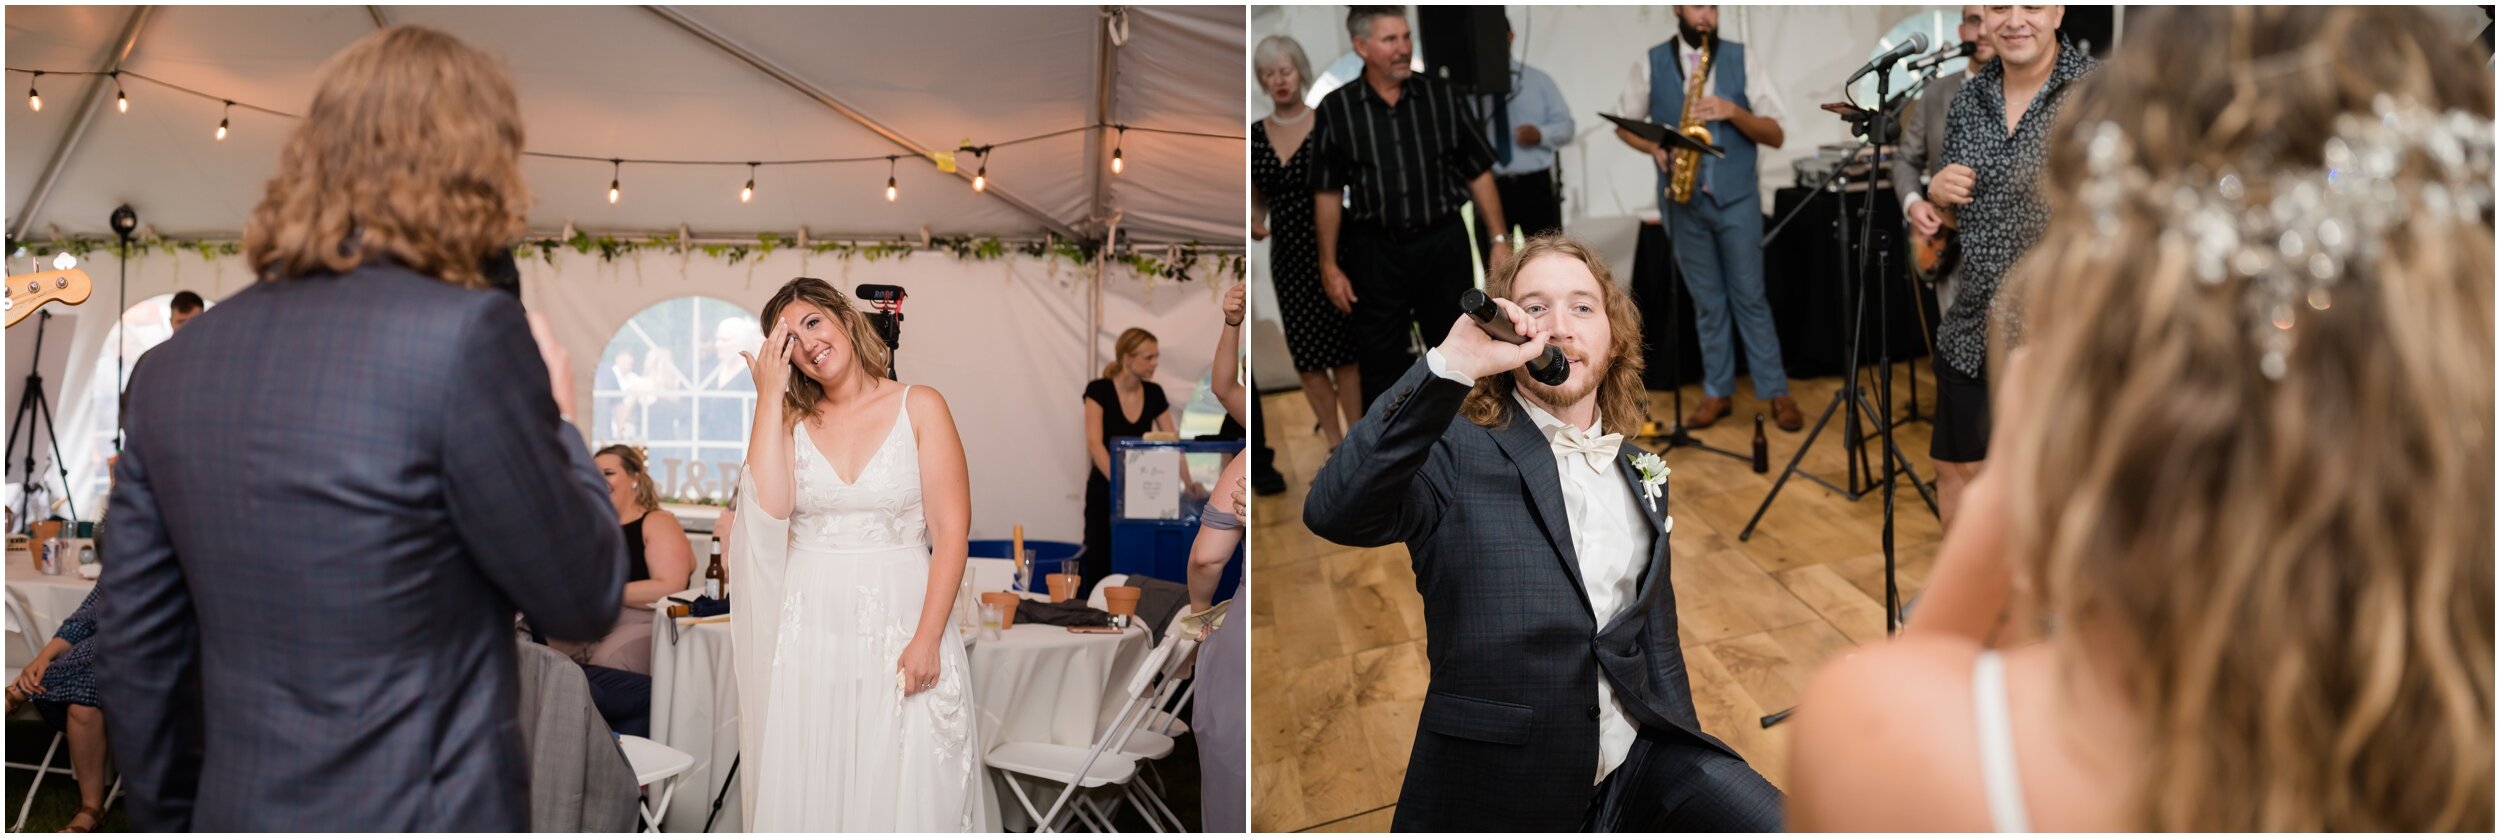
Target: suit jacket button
{"x":1592,"y":712}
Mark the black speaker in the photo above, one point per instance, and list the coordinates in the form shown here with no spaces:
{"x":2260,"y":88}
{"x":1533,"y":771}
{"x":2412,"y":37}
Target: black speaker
{"x":2093,"y":28}
{"x":1468,"y":46}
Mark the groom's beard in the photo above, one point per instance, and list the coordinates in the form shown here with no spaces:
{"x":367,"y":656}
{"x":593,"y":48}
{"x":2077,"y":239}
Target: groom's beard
{"x":1569,"y":394}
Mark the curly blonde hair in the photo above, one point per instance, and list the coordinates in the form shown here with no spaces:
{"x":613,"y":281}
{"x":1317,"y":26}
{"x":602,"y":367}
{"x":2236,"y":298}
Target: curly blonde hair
{"x":411,"y":151}
{"x":2296,"y":574}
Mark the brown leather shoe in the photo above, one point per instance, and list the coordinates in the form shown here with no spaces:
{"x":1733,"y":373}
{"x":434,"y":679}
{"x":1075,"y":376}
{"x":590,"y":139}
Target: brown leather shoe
{"x":1784,"y":413}
{"x":1708,"y":414}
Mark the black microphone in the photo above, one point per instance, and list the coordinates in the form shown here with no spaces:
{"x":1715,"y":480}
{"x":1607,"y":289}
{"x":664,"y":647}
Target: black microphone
{"x":1551,"y":370}
{"x":1915,"y":45}
{"x":1942,"y":56}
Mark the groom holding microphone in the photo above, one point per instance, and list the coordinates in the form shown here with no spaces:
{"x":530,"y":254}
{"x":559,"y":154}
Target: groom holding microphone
{"x":1558,"y":699}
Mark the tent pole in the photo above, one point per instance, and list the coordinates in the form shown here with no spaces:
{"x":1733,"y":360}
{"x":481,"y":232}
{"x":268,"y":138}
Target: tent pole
{"x":1098,"y":154}
{"x":380,"y":20}
{"x":823,"y":97}
{"x":77,"y":129}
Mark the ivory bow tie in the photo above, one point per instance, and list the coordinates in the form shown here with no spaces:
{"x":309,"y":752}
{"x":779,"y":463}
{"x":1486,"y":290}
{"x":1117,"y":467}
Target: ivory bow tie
{"x":1597,"y":453}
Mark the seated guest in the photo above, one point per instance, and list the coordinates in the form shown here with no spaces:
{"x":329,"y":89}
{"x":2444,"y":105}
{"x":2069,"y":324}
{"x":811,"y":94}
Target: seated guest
{"x":2242,"y":477}
{"x":61,"y":683}
{"x":1224,"y":660}
{"x":659,"y":562}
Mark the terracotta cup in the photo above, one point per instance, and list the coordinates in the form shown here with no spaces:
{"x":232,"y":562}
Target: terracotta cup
{"x":1063,"y":586}
{"x":1122,"y":599}
{"x":1006,"y":603}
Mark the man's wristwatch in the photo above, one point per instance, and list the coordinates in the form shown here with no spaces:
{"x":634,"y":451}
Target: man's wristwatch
{"x":1501,"y":238}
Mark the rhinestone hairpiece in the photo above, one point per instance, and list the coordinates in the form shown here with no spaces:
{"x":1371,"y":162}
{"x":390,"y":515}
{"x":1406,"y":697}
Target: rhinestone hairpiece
{"x":2296,"y":247}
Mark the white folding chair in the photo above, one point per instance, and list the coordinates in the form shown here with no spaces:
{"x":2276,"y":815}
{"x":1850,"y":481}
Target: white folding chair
{"x":655,"y":763}
{"x":1098,"y":765}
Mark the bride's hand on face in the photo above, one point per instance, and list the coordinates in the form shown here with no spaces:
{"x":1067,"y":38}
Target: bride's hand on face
{"x":769,"y":365}
{"x":919,"y":666}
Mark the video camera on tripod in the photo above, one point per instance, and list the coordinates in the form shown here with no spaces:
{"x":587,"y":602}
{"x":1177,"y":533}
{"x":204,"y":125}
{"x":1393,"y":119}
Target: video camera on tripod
{"x":885,"y":303}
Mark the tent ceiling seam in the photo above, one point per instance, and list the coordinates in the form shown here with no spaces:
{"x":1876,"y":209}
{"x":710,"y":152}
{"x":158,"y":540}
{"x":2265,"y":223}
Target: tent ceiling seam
{"x":811,"y":90}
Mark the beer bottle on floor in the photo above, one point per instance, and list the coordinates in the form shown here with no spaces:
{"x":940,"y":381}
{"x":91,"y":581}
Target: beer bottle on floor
{"x":1761,"y":449}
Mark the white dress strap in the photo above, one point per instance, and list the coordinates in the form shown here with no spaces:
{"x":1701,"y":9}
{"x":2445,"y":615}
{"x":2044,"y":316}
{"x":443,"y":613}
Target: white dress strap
{"x":1997,"y":771}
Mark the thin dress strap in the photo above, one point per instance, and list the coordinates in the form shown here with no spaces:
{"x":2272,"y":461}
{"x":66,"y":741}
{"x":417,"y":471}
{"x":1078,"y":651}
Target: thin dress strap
{"x":1998,"y":774}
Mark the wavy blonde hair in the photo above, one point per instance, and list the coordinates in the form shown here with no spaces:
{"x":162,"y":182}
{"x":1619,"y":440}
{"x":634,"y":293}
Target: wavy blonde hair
{"x":1620,"y":393}
{"x":2294,"y":577}
{"x":637,"y":466}
{"x":411,"y":151}
{"x":868,"y":349}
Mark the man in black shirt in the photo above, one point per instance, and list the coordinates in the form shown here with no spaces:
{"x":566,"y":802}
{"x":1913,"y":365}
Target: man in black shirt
{"x":1411,"y":151}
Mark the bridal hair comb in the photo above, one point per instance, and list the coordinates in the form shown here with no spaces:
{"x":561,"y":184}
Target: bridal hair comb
{"x":2295,"y":246}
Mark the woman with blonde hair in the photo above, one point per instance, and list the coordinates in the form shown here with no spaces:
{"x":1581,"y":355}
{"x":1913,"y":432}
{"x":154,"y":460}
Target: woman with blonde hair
{"x":658,"y":561}
{"x":857,"y":711}
{"x":1124,"y":402}
{"x":2245,"y":479}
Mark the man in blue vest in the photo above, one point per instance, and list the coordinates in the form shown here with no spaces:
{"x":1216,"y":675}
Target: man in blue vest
{"x":1718,"y":231}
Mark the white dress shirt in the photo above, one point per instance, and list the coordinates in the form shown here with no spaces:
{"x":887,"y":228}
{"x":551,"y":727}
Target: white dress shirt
{"x":1613,"y":541}
{"x":1765,"y":98}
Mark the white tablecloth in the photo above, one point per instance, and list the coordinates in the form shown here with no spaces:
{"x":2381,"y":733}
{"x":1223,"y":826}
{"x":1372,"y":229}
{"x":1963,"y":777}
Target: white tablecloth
{"x":47,"y":599}
{"x":1035,"y":683}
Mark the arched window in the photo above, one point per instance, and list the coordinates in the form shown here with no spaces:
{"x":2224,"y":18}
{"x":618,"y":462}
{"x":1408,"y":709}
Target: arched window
{"x":141,"y":328}
{"x":672,"y":382}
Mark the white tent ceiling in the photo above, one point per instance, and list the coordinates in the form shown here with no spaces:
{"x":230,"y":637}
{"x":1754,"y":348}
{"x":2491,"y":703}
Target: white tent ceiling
{"x":645,"y":82}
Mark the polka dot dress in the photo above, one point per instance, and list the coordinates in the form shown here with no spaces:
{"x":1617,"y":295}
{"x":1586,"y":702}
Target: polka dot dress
{"x":1315,"y":330}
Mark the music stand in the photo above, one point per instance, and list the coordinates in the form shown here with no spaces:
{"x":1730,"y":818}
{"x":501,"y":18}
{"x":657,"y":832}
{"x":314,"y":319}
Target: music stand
{"x":1664,"y":135}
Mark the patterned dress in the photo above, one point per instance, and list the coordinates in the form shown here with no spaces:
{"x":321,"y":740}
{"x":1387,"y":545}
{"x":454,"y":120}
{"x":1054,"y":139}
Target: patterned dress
{"x":72,"y":676}
{"x":2006,"y":213}
{"x":1316,"y":332}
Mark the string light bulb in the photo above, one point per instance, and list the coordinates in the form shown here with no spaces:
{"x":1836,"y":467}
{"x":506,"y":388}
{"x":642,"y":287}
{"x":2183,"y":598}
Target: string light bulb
{"x":1116,"y":165}
{"x":746,"y":194}
{"x":34,"y":98}
{"x":981,"y":177}
{"x":616,"y":183}
{"x":224,"y":119}
{"x":891,"y":192}
{"x":121,"y":99}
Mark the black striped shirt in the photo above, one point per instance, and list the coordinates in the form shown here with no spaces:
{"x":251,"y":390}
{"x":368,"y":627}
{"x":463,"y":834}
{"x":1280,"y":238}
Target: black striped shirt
{"x":1404,"y":167}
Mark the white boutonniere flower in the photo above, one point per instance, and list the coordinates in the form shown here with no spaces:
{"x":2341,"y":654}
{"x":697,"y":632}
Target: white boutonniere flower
{"x":1653,"y":473}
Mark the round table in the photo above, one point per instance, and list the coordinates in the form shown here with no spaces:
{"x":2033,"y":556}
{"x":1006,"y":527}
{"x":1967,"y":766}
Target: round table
{"x":47,"y":599}
{"x":1033,"y":683}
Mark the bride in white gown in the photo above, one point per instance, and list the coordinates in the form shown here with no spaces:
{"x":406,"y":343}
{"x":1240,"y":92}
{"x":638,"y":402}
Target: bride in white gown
{"x":855,"y":703}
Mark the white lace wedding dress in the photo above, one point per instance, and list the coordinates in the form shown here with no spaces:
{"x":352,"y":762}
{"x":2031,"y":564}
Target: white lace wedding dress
{"x":826,"y":601}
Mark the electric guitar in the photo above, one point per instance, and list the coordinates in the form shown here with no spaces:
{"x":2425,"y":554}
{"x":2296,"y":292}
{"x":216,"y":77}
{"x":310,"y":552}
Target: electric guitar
{"x":28,"y":292}
{"x":1932,"y":258}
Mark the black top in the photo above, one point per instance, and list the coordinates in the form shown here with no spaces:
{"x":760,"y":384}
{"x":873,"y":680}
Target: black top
{"x":635,"y":569}
{"x":2007,"y":213}
{"x":1404,"y":167}
{"x":1115,"y":422}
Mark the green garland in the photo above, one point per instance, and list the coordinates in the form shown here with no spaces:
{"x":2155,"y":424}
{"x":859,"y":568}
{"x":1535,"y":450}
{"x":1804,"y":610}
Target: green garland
{"x":1179,"y":263}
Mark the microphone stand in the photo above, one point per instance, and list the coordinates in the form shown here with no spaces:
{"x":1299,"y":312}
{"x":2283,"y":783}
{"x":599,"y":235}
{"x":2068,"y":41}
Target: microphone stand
{"x":1895,"y":464}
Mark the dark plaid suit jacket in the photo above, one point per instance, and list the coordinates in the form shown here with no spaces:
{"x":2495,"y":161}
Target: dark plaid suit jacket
{"x":1508,"y":735}
{"x":335,"y":492}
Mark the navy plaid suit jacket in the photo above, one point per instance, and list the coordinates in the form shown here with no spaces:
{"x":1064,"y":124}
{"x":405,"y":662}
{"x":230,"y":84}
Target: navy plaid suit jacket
{"x":1507,"y":739}
{"x":336,"y":490}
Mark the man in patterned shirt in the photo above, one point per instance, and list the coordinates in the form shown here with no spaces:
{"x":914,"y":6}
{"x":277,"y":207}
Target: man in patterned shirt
{"x":1996,"y":141}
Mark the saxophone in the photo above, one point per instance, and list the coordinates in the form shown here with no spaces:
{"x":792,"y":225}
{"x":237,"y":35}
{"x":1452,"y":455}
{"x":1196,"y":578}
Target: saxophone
{"x":1687,"y":163}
